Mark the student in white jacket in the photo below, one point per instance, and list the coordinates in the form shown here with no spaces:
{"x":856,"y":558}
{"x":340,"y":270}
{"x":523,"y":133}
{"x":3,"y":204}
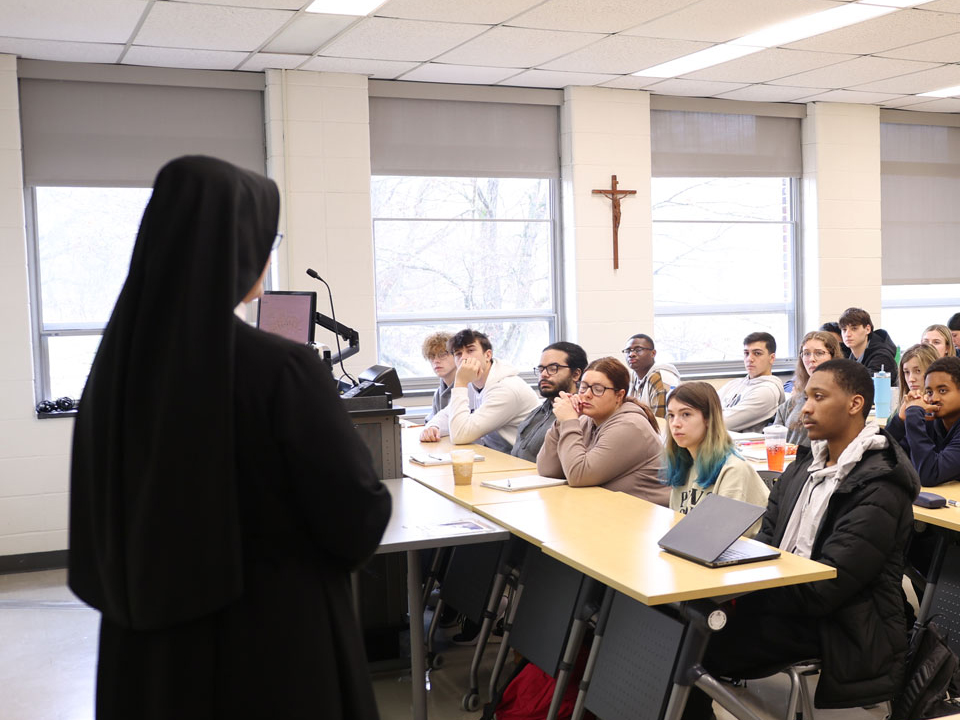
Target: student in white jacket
{"x":749,"y":403}
{"x":488,"y":401}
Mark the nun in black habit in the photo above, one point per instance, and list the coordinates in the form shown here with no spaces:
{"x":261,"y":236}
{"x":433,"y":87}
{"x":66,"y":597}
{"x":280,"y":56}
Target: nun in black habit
{"x":219,"y":494}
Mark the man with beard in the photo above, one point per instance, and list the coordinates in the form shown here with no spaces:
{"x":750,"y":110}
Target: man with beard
{"x":560,"y":368}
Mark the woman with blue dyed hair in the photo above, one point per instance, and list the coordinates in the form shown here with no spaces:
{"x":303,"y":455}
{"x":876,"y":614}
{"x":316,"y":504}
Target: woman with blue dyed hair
{"x":700,"y":456}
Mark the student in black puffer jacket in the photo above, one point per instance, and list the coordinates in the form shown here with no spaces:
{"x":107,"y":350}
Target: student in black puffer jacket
{"x":848,"y":505}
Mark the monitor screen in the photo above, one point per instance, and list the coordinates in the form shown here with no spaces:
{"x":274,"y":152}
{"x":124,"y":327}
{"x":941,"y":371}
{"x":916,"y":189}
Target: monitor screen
{"x":288,"y":314}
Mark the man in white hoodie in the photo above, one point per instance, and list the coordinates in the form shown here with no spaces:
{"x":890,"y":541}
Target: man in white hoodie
{"x":488,"y":401}
{"x":750,"y":403}
{"x":650,"y":381}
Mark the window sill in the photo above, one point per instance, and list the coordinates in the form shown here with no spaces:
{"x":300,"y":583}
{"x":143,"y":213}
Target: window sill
{"x":56,"y":414}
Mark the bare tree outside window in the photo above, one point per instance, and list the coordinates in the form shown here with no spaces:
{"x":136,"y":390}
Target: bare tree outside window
{"x":457,"y":252}
{"x":723,"y":253}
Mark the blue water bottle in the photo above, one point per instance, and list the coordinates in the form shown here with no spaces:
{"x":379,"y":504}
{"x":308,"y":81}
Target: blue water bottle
{"x":881,"y":393}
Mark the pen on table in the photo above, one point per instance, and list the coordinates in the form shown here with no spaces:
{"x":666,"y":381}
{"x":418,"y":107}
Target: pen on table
{"x":508,"y":483}
{"x":952,"y":503}
{"x":436,"y":457}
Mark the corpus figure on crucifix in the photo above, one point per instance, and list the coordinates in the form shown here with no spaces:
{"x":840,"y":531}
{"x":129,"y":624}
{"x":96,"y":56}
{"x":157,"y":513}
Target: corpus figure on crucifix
{"x":615,"y":195}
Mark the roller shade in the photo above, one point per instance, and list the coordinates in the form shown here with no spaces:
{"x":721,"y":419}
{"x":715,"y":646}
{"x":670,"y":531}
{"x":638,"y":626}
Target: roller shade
{"x":919,"y":208}
{"x":701,"y":144}
{"x":463,"y":139}
{"x":77,"y":133}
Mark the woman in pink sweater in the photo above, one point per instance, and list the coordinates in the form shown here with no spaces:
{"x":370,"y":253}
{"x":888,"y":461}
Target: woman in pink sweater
{"x":602,"y":437}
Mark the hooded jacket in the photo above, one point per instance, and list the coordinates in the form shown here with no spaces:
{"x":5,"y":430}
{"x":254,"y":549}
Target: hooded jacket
{"x":750,"y":403}
{"x":863,"y":534}
{"x":623,"y":453}
{"x":880,"y":353}
{"x":490,"y":415}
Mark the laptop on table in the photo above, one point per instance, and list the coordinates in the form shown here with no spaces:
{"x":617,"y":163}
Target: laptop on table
{"x":710,"y":534}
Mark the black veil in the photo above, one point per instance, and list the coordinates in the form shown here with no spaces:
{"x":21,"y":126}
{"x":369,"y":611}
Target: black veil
{"x":154,"y":526}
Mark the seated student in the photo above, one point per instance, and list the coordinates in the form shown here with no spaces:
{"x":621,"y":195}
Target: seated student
{"x":816,"y":348}
{"x":435,"y":352}
{"x":869,"y":347}
{"x":649,"y":381}
{"x":913,"y":366}
{"x":834,"y":329}
{"x":488,"y":401}
{"x":602,"y":437}
{"x":941,"y":339}
{"x":750,"y":403}
{"x":954,"y":324}
{"x":934,"y":443}
{"x":560,"y":368}
{"x":700,"y":458}
{"x":847,"y":505}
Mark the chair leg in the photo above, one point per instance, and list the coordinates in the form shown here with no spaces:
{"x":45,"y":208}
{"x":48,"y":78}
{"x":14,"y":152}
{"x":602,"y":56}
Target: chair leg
{"x":794,"y":697}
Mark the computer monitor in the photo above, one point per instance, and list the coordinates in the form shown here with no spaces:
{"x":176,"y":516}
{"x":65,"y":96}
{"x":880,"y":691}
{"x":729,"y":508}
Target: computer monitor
{"x":288,"y":314}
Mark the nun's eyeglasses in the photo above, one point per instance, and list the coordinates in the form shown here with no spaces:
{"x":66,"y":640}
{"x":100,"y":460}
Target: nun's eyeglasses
{"x":276,"y":242}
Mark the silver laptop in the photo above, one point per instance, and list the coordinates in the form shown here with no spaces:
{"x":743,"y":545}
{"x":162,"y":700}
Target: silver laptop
{"x":710,"y":534}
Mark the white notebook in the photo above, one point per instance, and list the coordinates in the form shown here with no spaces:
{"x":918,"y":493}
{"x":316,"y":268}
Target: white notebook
{"x":523,"y":482}
{"x":428,"y":459}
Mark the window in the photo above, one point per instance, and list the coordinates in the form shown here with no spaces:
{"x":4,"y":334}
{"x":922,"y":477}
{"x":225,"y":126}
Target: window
{"x":81,"y":244}
{"x":723,"y":265}
{"x":452,"y":252}
{"x":909,"y":309}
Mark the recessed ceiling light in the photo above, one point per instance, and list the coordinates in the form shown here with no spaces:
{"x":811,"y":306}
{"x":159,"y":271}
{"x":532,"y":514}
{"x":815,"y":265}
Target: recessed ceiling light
{"x":814,"y":24}
{"x":945,"y":92}
{"x":697,"y":61}
{"x":344,"y":7}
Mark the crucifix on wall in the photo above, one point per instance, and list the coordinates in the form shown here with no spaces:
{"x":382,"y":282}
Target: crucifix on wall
{"x":614,"y":194}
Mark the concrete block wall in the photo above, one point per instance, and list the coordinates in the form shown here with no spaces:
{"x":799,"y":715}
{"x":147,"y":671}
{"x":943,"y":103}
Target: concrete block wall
{"x":605,"y":131}
{"x":34,"y":454}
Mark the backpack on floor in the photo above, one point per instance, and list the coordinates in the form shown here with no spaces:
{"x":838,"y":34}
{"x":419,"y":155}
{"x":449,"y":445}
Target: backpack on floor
{"x":932,"y":667}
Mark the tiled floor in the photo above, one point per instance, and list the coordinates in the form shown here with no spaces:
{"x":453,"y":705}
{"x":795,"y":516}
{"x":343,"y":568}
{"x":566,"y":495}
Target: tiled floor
{"x":48,"y":656}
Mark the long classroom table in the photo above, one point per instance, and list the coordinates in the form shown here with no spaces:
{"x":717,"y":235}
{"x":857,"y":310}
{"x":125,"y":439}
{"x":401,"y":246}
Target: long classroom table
{"x":611,"y":537}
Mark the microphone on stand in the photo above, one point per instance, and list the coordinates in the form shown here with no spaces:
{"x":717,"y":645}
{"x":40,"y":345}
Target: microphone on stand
{"x":316,"y":276}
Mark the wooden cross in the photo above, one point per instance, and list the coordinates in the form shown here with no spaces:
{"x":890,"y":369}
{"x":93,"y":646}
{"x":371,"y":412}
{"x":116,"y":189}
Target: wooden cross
{"x":615,"y":195}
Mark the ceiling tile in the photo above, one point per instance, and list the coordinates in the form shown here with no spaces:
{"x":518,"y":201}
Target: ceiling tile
{"x":388,"y":39}
{"x":631,"y":82}
{"x":382,"y":69}
{"x":209,"y":27}
{"x":262,"y":61}
{"x":768,"y":93}
{"x":179,"y":58}
{"x":487,"y":12}
{"x":903,"y":27}
{"x":555,"y":79}
{"x":100,"y":21}
{"x":517,"y":47}
{"x":918,"y":82}
{"x":713,"y":21}
{"x":604,"y":16}
{"x":623,"y":54}
{"x":905,"y":101}
{"x":262,"y":4}
{"x":947,"y":105}
{"x":950,"y":6}
{"x":768,"y":65}
{"x":849,"y":96}
{"x":308,"y":32}
{"x":945,"y":49}
{"x":853,"y":72}
{"x":60,"y":50}
{"x":468,"y":74}
{"x":694,"y":88}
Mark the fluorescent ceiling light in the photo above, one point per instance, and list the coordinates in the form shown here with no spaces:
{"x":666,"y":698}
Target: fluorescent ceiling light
{"x":344,"y":7}
{"x":945,"y":92}
{"x":697,"y":61}
{"x":814,"y":24}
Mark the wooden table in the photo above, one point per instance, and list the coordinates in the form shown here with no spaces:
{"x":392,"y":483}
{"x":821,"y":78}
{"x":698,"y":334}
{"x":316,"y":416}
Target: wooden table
{"x":494,"y":461}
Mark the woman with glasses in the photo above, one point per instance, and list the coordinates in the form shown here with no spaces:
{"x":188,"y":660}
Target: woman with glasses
{"x":816,"y":348}
{"x":602,"y":437}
